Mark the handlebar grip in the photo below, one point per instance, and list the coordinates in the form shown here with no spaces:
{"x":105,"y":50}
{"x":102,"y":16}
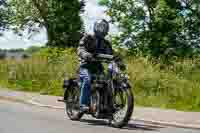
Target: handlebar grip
{"x":105,"y":56}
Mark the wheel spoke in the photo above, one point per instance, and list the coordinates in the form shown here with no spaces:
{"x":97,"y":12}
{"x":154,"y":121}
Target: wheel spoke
{"x":72,"y":103}
{"x":120,"y":105}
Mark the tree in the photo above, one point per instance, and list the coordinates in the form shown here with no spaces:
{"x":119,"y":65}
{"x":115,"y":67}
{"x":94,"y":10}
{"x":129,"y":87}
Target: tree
{"x":3,"y":15}
{"x":160,"y":28}
{"x":191,"y":14}
{"x":2,"y":54}
{"x":60,"y":18}
{"x":103,"y":2}
{"x":165,"y":27}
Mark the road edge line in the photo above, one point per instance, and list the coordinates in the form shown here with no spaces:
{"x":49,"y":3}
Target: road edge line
{"x":161,"y":123}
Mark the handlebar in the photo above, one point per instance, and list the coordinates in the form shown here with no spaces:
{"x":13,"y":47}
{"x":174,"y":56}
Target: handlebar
{"x":109,"y":58}
{"x":105,"y":56}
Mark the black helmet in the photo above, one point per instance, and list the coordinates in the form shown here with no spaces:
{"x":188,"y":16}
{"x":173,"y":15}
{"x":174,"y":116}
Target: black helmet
{"x":101,"y":28}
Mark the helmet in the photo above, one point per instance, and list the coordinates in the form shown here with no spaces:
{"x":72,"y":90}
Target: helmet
{"x":101,"y":28}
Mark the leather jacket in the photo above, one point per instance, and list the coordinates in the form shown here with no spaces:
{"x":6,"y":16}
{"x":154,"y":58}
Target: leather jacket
{"x":89,"y":46}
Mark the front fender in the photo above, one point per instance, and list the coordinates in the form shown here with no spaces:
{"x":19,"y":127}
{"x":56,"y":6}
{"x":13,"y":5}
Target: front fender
{"x":69,"y":84}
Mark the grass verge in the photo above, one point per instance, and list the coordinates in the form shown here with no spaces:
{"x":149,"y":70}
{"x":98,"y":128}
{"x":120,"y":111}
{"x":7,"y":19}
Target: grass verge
{"x":176,"y":86}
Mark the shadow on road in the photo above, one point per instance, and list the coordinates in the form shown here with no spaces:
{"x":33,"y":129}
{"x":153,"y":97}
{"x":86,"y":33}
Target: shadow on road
{"x":131,"y":126}
{"x":143,"y":127}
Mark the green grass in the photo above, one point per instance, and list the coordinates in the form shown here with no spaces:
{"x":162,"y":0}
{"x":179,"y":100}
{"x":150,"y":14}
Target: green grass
{"x":39,"y":73}
{"x":173,"y":87}
{"x":176,"y":86}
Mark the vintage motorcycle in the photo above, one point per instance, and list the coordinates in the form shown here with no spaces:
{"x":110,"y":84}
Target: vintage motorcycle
{"x":111,"y":94}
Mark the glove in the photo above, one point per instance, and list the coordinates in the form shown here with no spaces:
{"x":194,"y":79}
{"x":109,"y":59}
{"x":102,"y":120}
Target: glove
{"x":89,"y":57}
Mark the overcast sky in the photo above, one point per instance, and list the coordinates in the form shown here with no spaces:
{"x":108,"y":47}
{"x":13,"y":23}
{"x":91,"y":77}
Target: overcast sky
{"x":92,"y":13}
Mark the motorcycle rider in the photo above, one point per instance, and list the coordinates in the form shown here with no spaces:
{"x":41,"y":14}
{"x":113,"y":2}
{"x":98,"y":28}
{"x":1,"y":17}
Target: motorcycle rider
{"x":89,"y":46}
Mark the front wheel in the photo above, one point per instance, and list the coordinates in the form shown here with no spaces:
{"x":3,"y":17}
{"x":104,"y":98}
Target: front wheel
{"x":124,"y":105}
{"x":71,"y":97}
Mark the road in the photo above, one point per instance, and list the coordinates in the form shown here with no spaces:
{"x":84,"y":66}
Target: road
{"x":22,"y":118}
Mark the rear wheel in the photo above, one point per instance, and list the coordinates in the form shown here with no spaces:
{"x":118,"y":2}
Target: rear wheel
{"x":72,"y":96}
{"x":95,"y":103}
{"x":123,"y":104}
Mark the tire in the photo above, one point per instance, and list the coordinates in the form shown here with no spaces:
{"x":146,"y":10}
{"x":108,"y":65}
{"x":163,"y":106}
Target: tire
{"x":71,"y":97}
{"x":95,"y":103}
{"x":128,"y":113}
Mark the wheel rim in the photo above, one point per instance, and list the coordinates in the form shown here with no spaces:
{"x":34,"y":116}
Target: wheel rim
{"x":72,"y":102}
{"x":120,"y":105}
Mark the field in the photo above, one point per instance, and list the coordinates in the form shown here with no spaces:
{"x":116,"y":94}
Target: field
{"x":174,"y":86}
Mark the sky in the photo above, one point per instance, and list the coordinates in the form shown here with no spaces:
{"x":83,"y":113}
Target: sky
{"x":92,"y":12}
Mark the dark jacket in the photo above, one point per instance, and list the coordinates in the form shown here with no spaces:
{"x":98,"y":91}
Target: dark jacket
{"x":89,"y":46}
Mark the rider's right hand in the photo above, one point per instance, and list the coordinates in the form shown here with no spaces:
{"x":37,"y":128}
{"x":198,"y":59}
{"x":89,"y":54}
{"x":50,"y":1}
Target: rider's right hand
{"x":90,"y":57}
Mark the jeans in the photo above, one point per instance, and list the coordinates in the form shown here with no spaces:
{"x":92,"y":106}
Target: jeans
{"x":85,"y":77}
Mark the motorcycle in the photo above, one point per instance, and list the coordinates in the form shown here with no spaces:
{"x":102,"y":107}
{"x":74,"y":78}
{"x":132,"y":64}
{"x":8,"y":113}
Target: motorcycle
{"x":111,"y":94}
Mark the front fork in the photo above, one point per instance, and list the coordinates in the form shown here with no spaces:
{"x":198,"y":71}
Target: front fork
{"x":108,"y":99}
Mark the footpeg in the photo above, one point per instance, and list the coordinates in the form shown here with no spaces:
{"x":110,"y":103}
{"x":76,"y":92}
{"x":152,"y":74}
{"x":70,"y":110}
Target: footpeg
{"x":61,"y":100}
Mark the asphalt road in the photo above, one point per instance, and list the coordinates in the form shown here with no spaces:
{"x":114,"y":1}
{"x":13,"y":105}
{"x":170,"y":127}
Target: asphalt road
{"x":22,"y":118}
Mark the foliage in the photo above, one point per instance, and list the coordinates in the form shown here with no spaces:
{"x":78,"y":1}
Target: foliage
{"x":38,"y":73}
{"x":3,"y":15}
{"x":191,"y":13}
{"x":2,"y":55}
{"x":159,"y":28}
{"x":60,"y":18}
{"x":175,"y":86}
{"x":33,"y":49}
{"x":103,"y":2}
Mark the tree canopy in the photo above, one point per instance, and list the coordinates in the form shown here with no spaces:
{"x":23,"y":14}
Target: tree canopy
{"x":157,"y":27}
{"x":3,"y":15}
{"x":60,"y":18}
